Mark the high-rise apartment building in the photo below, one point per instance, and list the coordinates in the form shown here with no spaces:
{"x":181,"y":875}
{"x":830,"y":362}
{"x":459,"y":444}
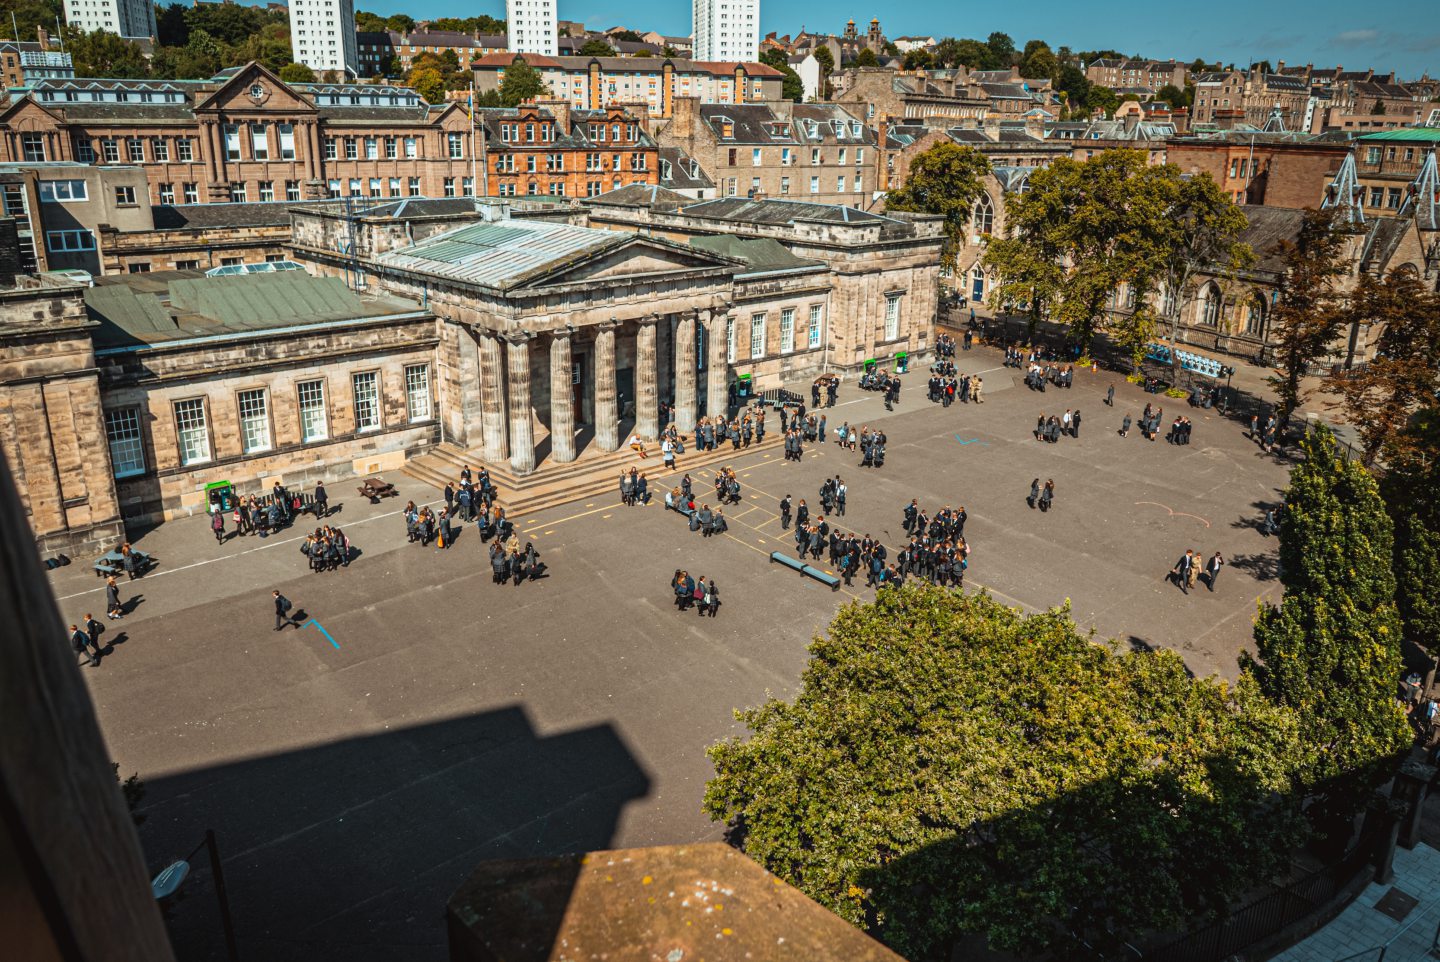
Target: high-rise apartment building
{"x":531,"y":26}
{"x":322,"y":36}
{"x":128,"y":18}
{"x":726,"y":29}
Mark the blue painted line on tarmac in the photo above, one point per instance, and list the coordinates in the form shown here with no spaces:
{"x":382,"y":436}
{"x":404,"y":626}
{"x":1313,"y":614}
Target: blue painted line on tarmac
{"x":972,"y":441}
{"x":317,"y":624}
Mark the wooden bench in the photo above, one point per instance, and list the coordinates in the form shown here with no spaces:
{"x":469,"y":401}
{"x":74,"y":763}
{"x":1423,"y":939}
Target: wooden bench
{"x":806,"y":570}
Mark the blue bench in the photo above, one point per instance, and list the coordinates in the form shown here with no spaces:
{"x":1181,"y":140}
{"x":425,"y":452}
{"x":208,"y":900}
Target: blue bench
{"x":807,"y":570}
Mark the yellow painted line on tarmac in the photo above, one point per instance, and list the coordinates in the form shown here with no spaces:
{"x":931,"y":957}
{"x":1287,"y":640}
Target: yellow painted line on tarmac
{"x":746,"y":544}
{"x":604,"y":516}
{"x":551,"y":531}
{"x":582,"y":514}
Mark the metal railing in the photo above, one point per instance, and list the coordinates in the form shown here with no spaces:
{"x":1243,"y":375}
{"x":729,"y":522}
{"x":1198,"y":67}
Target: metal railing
{"x":1412,"y":944}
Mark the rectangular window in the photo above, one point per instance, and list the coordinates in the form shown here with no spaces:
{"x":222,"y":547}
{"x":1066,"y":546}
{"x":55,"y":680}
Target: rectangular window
{"x":372,"y":148}
{"x":330,"y":150}
{"x":190,"y":431}
{"x":353,"y":187}
{"x":374,"y":187}
{"x":814,"y":185}
{"x":160,"y":150}
{"x":757,"y":335}
{"x":755,"y":156}
{"x":254,"y":421}
{"x":127,"y":448}
{"x":892,"y":316}
{"x":135,"y":150}
{"x":815,"y":156}
{"x":457,"y":145}
{"x":730,"y":341}
{"x":259,"y":142}
{"x":417,"y":391}
{"x":815,"y":312}
{"x":840,"y":184}
{"x":352,"y":149}
{"x":267,"y":190}
{"x":367,"y":401}
{"x":413,"y":188}
{"x":238,"y":194}
{"x":84,"y":150}
{"x":394,"y":187}
{"x":314,"y":425}
{"x":859,"y":156}
{"x":292,"y":190}
{"x":787,"y":330}
{"x":232,"y":141}
{"x":32,"y":147}
{"x":183,"y":150}
{"x":287,"y":140}
{"x":110,"y":150}
{"x":69,"y":240}
{"x":125,"y":196}
{"x":192,"y":193}
{"x":60,"y":191}
{"x":842,"y":155}
{"x":412,"y":149}
{"x":167,"y":193}
{"x":392,"y":149}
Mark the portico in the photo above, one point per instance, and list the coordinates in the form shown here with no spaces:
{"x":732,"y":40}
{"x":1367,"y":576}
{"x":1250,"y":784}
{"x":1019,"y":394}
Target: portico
{"x":564,"y":337}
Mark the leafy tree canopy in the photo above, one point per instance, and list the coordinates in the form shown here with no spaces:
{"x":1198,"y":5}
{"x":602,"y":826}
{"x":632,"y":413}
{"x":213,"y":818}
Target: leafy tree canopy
{"x":297,"y":73}
{"x":825,"y":58}
{"x":792,"y":87}
{"x":522,"y":82}
{"x":595,"y":47}
{"x":1002,"y":48}
{"x":946,"y":179}
{"x":950,"y":765}
{"x":866,"y":58}
{"x":428,"y":82}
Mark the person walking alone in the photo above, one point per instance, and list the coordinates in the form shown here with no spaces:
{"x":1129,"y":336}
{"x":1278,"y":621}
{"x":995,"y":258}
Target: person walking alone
{"x":282,"y":611}
{"x":1212,"y":570}
{"x":114,"y":610}
{"x":93,"y":629}
{"x":217,"y":525}
{"x":322,"y":500}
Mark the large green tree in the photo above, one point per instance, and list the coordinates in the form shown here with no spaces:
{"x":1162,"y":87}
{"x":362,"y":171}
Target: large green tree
{"x":953,"y":766}
{"x":1331,"y":650}
{"x":792,"y":87}
{"x":595,"y":47}
{"x":1381,"y":399}
{"x":1309,"y":310}
{"x":1079,"y":233}
{"x":522,"y":82}
{"x":946,"y":179}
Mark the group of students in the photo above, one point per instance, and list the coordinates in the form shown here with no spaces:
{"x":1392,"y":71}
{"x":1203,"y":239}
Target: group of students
{"x":85,"y":637}
{"x":328,"y":548}
{"x":1180,"y":431}
{"x":1041,"y":496}
{"x":872,"y":448}
{"x":510,"y":562}
{"x":831,"y":385}
{"x":1051,"y":428}
{"x":937,"y":550}
{"x":740,"y":431}
{"x":634,"y":488}
{"x":704,"y":519}
{"x":945,"y":389}
{"x":464,"y":503}
{"x":1149,"y":423}
{"x":1264,"y":434}
{"x":700,"y":593}
{"x":1038,"y":375}
{"x":1188,"y":569}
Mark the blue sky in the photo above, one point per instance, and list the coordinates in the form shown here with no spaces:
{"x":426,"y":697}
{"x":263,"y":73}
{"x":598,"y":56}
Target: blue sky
{"x":1405,"y":35}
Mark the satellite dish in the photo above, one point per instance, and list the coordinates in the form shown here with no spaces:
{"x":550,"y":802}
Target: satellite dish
{"x":169,"y":880}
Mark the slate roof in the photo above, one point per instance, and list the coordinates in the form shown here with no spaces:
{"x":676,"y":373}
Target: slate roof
{"x":721,"y":68}
{"x":685,"y":173}
{"x":135,"y":310}
{"x":209,"y":216}
{"x":751,"y":124}
{"x":744,"y":210}
{"x":1266,"y":228}
{"x":761,"y":255}
{"x":640,"y":195}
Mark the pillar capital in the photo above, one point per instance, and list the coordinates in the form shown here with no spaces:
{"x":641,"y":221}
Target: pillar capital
{"x":517,"y":337}
{"x":612,"y":325}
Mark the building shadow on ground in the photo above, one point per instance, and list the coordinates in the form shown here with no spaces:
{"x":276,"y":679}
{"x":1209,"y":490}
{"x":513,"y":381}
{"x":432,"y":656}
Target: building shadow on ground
{"x":349,"y":849}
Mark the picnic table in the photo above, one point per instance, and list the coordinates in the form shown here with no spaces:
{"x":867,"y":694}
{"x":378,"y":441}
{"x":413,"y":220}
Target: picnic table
{"x":113,"y":563}
{"x":376,"y":487}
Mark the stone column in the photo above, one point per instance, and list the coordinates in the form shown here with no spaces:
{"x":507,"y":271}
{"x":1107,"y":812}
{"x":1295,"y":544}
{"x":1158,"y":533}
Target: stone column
{"x":647,"y":396}
{"x":607,"y":413}
{"x":492,"y":398}
{"x":685,"y":413}
{"x":717,"y":400}
{"x":562,"y":399}
{"x":522,"y":430}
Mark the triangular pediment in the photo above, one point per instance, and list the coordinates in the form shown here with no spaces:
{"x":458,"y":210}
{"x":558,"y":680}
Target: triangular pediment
{"x":641,"y":256}
{"x":27,"y":115}
{"x":254,"y":88}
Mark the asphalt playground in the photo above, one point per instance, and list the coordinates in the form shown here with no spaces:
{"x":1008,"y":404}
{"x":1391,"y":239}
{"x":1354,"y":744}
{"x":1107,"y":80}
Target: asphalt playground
{"x":424,"y":719}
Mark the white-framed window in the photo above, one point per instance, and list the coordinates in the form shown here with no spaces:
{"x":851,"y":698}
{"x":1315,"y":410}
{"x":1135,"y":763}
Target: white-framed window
{"x":331,"y":151}
{"x":352,"y":149}
{"x":892,"y":315}
{"x":191,"y":432}
{"x":457,"y":145}
{"x":167,"y":193}
{"x":417,"y":391}
{"x":110,"y":150}
{"x":84,"y":150}
{"x":449,"y":186}
{"x":292,"y":190}
{"x":192,"y":192}
{"x":367,"y":401}
{"x":814,"y":185}
{"x":32,"y":147}
{"x":787,"y":330}
{"x":392,"y":148}
{"x":413,"y":188}
{"x":287,"y":140}
{"x":267,"y":190}
{"x":62,"y":191}
{"x":259,"y":142}
{"x":757,"y":335}
{"x":756,"y":155}
{"x":412,"y":149}
{"x":127,"y":446}
{"x":314,"y":425}
{"x":238,"y":193}
{"x":160,"y":150}
{"x":183,"y":150}
{"x":816,"y":313}
{"x":372,"y":148}
{"x":730,"y":341}
{"x":254,"y":420}
{"x":374,"y":187}
{"x":63,"y":241}
{"x":232,"y":141}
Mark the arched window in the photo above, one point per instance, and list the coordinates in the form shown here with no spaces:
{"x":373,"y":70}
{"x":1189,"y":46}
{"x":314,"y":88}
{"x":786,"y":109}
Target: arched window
{"x":1210,"y":306}
{"x":1255,"y":315}
{"x":1167,"y":301}
{"x":977,"y":284}
{"x":982,"y":217}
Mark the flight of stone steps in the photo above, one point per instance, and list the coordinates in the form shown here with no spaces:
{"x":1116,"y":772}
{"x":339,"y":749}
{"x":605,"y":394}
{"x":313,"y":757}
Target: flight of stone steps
{"x":594,"y":472}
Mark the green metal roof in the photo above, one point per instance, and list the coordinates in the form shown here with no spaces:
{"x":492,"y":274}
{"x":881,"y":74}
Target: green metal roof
{"x":760,"y":254}
{"x":1428,"y":135}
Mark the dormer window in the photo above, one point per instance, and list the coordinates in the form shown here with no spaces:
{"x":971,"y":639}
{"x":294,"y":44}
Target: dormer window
{"x":855,"y":128}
